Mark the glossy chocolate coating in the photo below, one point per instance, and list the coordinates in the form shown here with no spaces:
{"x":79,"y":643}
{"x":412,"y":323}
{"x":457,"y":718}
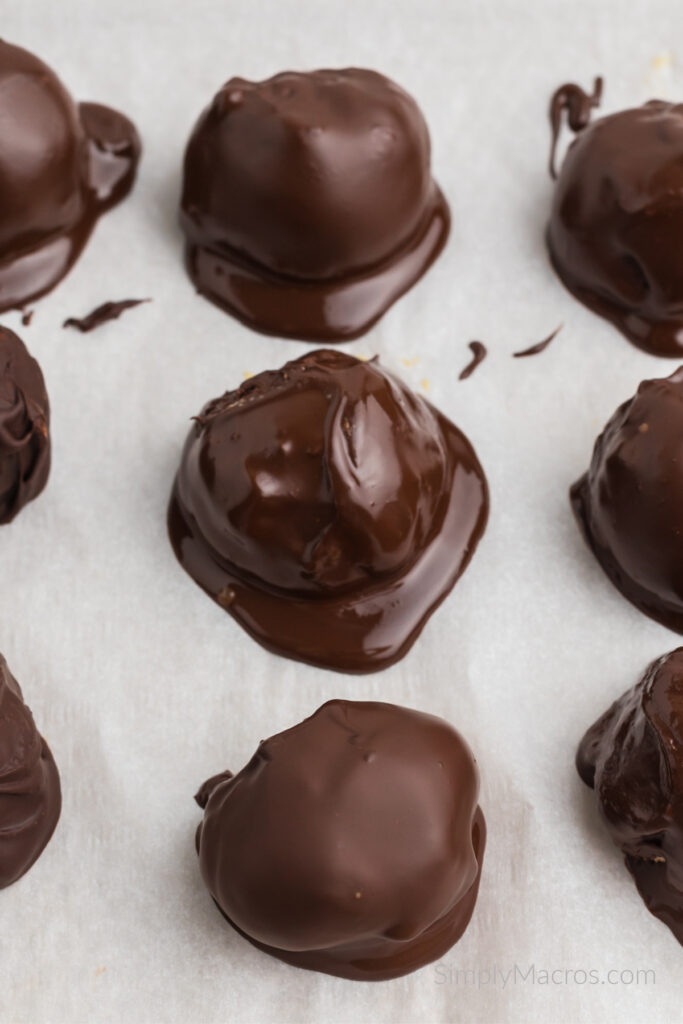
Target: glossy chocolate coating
{"x":616,"y":227}
{"x":308,"y":202}
{"x":329,"y":508}
{"x":633,"y":757}
{"x":30,"y":795}
{"x":61,"y":165}
{"x":24,"y":427}
{"x":629,"y":503}
{"x":350,"y":844}
{"x":102,"y":315}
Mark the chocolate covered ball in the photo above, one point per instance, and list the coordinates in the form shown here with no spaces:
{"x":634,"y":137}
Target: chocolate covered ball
{"x":328,"y":508}
{"x":30,"y":795}
{"x":633,"y":758}
{"x":616,"y":226}
{"x":630,"y":503}
{"x":24,"y":427}
{"x":350,"y":844}
{"x":61,"y":165}
{"x":308,"y":202}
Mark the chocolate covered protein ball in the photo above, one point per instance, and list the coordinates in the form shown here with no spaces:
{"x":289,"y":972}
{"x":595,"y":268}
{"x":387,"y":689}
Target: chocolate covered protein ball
{"x":308,"y":202}
{"x":350,"y":844}
{"x":633,"y":758}
{"x":630,"y":502}
{"x":24,"y":427}
{"x":30,"y":795}
{"x":328,"y":508}
{"x":616,"y":226}
{"x":61,"y":166}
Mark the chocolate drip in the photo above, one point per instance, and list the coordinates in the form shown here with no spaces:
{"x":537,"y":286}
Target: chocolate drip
{"x":570,"y":99}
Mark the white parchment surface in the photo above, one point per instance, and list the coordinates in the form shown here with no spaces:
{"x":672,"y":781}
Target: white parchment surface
{"x":144,"y":687}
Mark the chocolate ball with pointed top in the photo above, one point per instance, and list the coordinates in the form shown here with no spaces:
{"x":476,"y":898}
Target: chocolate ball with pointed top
{"x":30,"y":794}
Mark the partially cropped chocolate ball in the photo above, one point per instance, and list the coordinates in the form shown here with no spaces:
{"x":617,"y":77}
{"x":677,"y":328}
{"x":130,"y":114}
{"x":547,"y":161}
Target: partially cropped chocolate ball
{"x":61,"y":165}
{"x":616,"y":227}
{"x":328,"y":508}
{"x":30,"y":795}
{"x":630,"y":502}
{"x":308,"y":202}
{"x":350,"y":844}
{"x":24,"y":427}
{"x":633,"y":758}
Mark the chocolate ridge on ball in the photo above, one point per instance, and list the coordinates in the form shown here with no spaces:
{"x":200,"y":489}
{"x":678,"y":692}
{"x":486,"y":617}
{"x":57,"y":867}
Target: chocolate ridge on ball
{"x":30,"y":794}
{"x":616,"y":223}
{"x":633,"y":758}
{"x":62,"y":164}
{"x":328,"y":508}
{"x":351,"y":843}
{"x":24,"y":427}
{"x":308,"y":203}
{"x":629,"y":503}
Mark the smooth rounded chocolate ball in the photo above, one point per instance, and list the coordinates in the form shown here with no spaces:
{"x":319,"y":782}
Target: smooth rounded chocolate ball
{"x":308,"y":202}
{"x":328,"y":508}
{"x":616,"y":226}
{"x":630,"y":502}
{"x":350,"y":844}
{"x":30,"y":795}
{"x":61,"y":165}
{"x":24,"y":427}
{"x":633,"y":758}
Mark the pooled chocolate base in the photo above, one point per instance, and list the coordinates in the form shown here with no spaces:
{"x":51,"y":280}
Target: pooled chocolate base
{"x":30,"y":794}
{"x":351,"y":844}
{"x":633,"y":758}
{"x":61,"y":166}
{"x":628,"y":503}
{"x":331,"y":311}
{"x":321,"y":514}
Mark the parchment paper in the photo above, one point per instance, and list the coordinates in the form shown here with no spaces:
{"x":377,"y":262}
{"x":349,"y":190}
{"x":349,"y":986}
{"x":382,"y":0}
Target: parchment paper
{"x":144,"y":687}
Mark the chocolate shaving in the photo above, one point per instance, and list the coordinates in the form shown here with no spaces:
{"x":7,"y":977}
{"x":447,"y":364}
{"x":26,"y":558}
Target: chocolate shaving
{"x":107,"y":311}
